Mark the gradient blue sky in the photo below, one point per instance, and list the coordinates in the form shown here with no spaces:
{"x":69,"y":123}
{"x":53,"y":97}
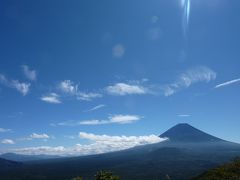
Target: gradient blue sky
{"x":116,"y":67}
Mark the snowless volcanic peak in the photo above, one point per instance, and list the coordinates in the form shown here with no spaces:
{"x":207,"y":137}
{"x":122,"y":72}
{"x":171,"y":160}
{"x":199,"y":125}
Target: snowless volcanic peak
{"x":184,"y":132}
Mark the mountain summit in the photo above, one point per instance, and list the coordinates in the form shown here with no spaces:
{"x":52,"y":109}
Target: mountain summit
{"x":186,"y":133}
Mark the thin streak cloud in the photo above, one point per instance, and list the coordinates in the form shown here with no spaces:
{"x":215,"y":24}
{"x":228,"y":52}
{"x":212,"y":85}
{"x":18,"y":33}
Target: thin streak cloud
{"x":52,"y":98}
{"x":184,"y":115}
{"x":96,"y":108}
{"x":121,"y":89}
{"x":114,"y":119}
{"x":228,"y":83}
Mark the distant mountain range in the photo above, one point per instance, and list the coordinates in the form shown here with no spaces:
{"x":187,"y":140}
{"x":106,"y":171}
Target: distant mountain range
{"x":187,"y":153}
{"x":24,"y":158}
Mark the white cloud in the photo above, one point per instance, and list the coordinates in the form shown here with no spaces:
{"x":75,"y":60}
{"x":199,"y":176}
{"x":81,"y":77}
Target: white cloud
{"x":33,"y":136}
{"x":96,"y":108}
{"x":184,"y":115}
{"x":122,"y":89}
{"x":7,"y":141}
{"x":115,"y":119}
{"x":93,"y":122}
{"x":51,"y":98}
{"x":118,"y":51}
{"x":124,"y":119}
{"x":70,"y":88}
{"x":186,"y":79}
{"x":47,"y":150}
{"x":98,"y":144}
{"x":39,"y":136}
{"x":87,"y":96}
{"x":2,"y":130}
{"x":30,"y":74}
{"x":122,"y":142}
{"x":227,"y":83}
{"x":21,"y":87}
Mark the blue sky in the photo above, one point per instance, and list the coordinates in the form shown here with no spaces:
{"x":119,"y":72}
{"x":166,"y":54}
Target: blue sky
{"x":72,"y":72}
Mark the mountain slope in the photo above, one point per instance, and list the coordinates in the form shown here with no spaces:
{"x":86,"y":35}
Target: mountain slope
{"x":186,"y":133}
{"x":230,"y":171}
{"x":179,"y":158}
{"x":6,"y":164}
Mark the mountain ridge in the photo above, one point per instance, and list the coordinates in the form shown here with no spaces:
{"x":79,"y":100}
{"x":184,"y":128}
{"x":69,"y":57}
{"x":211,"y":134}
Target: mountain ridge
{"x":25,"y":158}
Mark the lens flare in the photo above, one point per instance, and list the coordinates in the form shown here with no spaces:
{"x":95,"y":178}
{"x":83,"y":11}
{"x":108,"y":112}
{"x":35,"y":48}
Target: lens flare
{"x":186,"y":5}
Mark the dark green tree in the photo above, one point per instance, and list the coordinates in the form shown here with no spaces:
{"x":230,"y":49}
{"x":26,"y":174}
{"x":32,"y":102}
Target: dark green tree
{"x":106,"y":175}
{"x":77,"y":178}
{"x":229,"y":171}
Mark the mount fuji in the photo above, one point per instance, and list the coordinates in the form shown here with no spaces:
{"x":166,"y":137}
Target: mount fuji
{"x":186,"y":153}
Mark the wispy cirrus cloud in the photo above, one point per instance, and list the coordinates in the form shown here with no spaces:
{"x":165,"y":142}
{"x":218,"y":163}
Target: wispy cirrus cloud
{"x":30,"y":74}
{"x":70,"y":88}
{"x":183,"y":115}
{"x":52,"y":98}
{"x":124,"y":119}
{"x":188,"y":78}
{"x":228,"y":83}
{"x":131,"y":88}
{"x":7,"y":141}
{"x":21,"y":87}
{"x":88,"y":96}
{"x":67,"y":86}
{"x":33,"y":136}
{"x":39,"y":136}
{"x":3,"y":130}
{"x":96,"y":108}
{"x":137,"y":87}
{"x":99,"y":144}
{"x":114,"y":119}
